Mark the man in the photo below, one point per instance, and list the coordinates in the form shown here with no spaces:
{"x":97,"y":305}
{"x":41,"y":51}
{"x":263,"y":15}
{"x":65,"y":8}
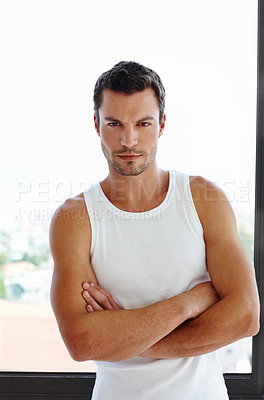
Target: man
{"x":156,"y":252}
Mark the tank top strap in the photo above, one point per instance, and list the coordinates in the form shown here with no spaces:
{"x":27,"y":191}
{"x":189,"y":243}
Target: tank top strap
{"x":183,"y":194}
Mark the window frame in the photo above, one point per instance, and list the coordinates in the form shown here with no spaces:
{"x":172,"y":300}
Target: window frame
{"x":72,"y":386}
{"x":251,"y":386}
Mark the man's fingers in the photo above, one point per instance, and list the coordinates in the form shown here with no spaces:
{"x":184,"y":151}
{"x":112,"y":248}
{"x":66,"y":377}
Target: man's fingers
{"x":101,"y":296}
{"x":92,"y":294}
{"x":114,"y":304}
{"x":92,"y":305}
{"x":110,"y":299}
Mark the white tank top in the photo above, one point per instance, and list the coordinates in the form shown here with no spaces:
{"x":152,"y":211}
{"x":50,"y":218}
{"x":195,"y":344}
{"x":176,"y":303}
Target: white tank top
{"x":141,"y":258}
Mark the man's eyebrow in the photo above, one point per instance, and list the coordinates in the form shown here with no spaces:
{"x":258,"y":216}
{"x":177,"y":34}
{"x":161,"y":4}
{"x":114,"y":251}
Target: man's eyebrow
{"x":111,"y":119}
{"x":147,"y":118}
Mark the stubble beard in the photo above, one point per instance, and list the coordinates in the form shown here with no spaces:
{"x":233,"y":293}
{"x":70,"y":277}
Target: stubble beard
{"x":129,"y":168}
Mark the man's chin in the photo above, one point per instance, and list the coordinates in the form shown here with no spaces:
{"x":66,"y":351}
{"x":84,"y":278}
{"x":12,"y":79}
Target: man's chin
{"x":130,"y":170}
{"x":129,"y":173}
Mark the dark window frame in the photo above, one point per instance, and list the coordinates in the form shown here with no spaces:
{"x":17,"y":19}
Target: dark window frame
{"x":79,"y":386}
{"x":251,"y":386}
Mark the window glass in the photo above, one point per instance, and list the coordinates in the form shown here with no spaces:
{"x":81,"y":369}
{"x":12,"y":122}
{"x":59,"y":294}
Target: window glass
{"x":206,"y":55}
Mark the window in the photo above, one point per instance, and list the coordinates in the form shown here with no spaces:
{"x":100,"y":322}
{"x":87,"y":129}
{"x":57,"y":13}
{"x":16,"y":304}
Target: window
{"x":45,"y":114}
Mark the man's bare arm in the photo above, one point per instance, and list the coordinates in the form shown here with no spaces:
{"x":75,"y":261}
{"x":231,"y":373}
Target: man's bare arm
{"x":109,"y":335}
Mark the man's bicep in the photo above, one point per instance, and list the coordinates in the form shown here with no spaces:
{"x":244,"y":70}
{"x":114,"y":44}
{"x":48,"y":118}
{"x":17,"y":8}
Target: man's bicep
{"x":230,"y":268}
{"x":65,"y":294}
{"x":68,"y":305}
{"x":70,"y":247}
{"x":229,"y":265}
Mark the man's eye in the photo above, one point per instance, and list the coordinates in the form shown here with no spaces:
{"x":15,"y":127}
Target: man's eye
{"x":113,"y":124}
{"x":144,"y":124}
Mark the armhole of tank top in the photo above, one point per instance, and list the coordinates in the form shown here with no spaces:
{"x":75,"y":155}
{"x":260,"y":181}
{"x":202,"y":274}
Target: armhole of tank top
{"x":92,"y":218}
{"x":194,"y":217}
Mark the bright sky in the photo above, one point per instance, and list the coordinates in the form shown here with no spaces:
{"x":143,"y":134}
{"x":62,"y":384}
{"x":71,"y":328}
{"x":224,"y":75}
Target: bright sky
{"x":53,"y":51}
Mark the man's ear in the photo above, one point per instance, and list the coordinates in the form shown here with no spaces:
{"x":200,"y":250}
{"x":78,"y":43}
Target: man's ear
{"x":96,"y":126}
{"x":162,"y":126}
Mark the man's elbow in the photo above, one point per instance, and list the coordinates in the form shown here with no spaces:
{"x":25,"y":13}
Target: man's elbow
{"x":96,"y":354}
{"x":77,"y":354}
{"x":254,"y":325}
{"x":78,"y":346}
{"x":85,"y":347}
{"x":252,"y":320}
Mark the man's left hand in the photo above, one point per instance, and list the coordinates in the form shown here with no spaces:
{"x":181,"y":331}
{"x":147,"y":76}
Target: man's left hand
{"x":97,"y":298}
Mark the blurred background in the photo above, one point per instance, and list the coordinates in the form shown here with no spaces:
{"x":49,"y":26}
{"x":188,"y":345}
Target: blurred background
{"x":52,"y":53}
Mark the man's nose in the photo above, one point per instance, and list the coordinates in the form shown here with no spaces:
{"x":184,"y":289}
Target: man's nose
{"x":129,"y":137}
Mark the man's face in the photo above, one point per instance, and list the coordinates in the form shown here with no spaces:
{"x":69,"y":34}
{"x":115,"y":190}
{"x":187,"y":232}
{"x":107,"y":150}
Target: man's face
{"x":129,"y":130}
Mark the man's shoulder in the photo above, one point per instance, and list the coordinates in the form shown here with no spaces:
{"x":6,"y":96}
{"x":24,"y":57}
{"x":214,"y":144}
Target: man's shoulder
{"x":70,"y":238}
{"x":72,"y":213}
{"x":206,"y":191}
{"x":212,"y":205}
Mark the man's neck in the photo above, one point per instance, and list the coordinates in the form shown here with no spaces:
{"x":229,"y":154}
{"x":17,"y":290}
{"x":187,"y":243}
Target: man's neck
{"x":137,"y":193}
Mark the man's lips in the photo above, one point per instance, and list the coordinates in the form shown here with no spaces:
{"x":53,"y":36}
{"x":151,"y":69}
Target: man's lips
{"x":129,"y":157}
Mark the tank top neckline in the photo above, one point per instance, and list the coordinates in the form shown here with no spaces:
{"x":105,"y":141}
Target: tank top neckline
{"x":153,"y":211}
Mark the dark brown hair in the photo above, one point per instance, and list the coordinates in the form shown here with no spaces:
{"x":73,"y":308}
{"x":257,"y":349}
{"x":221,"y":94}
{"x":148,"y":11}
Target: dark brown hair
{"x":129,"y":77}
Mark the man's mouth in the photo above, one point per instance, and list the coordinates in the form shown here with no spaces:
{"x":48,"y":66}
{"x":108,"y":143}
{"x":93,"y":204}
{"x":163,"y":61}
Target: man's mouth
{"x":129,"y":157}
